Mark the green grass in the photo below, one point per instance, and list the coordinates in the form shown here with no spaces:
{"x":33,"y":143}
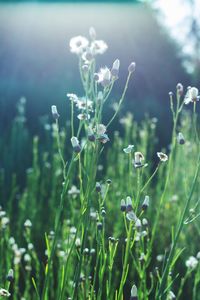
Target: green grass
{"x":80,"y":243}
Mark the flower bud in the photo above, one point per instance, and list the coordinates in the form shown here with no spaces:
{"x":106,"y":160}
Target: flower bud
{"x":131,"y":67}
{"x":10,"y":275}
{"x":134,"y":293}
{"x":75,"y":144}
{"x":180,"y":138}
{"x":92,"y":33}
{"x":115,"y":68}
{"x":98,"y":187}
{"x":54,"y":111}
{"x":179,"y":89}
{"x":123,"y":205}
{"x":145,"y":204}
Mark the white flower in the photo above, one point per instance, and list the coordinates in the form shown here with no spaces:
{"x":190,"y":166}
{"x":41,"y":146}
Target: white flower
{"x":129,"y":149}
{"x":104,"y":76}
{"x":99,"y":47}
{"x":162,"y":156}
{"x":191,"y":95}
{"x":171,"y":296}
{"x":78,"y":44}
{"x":72,"y":97}
{"x":115,"y":68}
{"x":74,"y":190}
{"x":139,"y":157}
{"x":84,"y":104}
{"x":100,"y":129}
{"x":27,"y":223}
{"x":191,"y":263}
{"x":75,"y":144}
{"x":131,"y":216}
{"x":134,"y":292}
{"x":4,"y":293}
{"x":54,"y":112}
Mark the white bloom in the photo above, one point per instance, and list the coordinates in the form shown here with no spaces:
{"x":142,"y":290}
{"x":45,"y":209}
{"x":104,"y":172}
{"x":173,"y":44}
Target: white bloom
{"x":100,"y":129}
{"x":191,"y":263}
{"x":104,"y":76}
{"x":139,"y":157}
{"x":191,"y":95}
{"x":72,"y":97}
{"x":99,"y":47}
{"x":129,"y":149}
{"x":4,"y":293}
{"x":162,"y":156}
{"x":27,"y":223}
{"x":27,"y":257}
{"x":78,"y":44}
{"x":131,"y":216}
{"x":84,"y":104}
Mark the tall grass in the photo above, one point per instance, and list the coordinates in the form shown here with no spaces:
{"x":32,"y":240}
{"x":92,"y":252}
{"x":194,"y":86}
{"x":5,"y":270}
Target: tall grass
{"x":107,"y":217}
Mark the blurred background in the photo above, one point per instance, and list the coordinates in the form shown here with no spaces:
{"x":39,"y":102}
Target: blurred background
{"x":162,"y":37}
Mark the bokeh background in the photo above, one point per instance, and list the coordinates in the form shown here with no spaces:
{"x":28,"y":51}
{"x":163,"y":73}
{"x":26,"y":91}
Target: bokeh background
{"x":36,"y":63}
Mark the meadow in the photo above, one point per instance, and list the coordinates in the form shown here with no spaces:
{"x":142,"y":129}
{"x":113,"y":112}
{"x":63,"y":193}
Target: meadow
{"x":101,"y":214}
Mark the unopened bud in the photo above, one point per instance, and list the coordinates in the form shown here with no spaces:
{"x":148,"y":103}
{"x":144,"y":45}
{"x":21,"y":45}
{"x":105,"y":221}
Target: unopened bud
{"x":54,"y":111}
{"x":131,"y":67}
{"x":75,"y":144}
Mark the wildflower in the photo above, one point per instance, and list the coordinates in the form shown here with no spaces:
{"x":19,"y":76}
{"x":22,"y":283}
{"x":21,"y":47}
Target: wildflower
{"x":171,"y":295}
{"x":99,"y":47}
{"x":75,"y":144}
{"x":10,"y":275}
{"x":91,"y":135}
{"x":4,"y":222}
{"x":100,"y":129}
{"x":103,"y":138}
{"x":98,"y":187}
{"x":72,"y":97}
{"x":92,"y":251}
{"x":129,"y":206}
{"x":145,"y":203}
{"x":78,"y":44}
{"x":179,"y":88}
{"x":104,"y":77}
{"x":180,"y":138}
{"x":134,"y":293}
{"x":131,"y":216}
{"x":138,"y":160}
{"x":191,"y":263}
{"x":99,"y":226}
{"x":115,"y":68}
{"x":162,"y":156}
{"x":129,"y":149}
{"x":4,"y":293}
{"x":92,"y":33}
{"x":84,"y":104}
{"x":144,"y":222}
{"x":138,"y":224}
{"x":78,"y":242}
{"x":160,"y":257}
{"x":86,"y":251}
{"x":108,"y":181}
{"x":54,"y":111}
{"x":191,"y":95}
{"x":27,"y":224}
{"x":74,"y":191}
{"x":123,"y":205}
{"x":131,"y":67}
{"x":83,"y":117}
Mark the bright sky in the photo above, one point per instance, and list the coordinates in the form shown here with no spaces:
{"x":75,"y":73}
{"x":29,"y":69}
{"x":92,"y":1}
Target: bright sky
{"x":176,"y":15}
